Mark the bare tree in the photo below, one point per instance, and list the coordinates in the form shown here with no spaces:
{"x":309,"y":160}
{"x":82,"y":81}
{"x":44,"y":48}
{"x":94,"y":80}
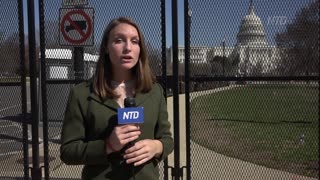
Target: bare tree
{"x":298,"y":44}
{"x":9,"y":58}
{"x":154,"y":56}
{"x":2,"y":35}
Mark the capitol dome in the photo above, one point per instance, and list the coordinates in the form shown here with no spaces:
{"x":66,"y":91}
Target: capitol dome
{"x":251,"y":30}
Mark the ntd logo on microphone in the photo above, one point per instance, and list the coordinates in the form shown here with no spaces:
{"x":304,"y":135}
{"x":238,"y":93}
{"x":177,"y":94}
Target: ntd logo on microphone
{"x":130,"y":115}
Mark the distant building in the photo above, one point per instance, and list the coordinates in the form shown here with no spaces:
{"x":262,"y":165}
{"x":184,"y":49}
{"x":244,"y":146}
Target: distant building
{"x":60,"y":64}
{"x":252,"y":53}
{"x":197,"y":54}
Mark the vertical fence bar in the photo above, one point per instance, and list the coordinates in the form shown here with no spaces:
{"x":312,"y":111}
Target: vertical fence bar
{"x":318,"y":89}
{"x":187,"y":26}
{"x":23,"y":91}
{"x":36,"y":171}
{"x":163,"y":47}
{"x":44,"y":90}
{"x":175,"y":65}
{"x":164,"y":70}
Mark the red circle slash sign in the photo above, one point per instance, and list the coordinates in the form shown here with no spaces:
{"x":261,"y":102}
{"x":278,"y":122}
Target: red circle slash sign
{"x":84,"y":35}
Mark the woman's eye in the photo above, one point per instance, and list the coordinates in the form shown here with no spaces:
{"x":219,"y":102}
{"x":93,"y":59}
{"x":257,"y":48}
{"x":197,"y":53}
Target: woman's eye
{"x":135,"y":41}
{"x":119,"y":40}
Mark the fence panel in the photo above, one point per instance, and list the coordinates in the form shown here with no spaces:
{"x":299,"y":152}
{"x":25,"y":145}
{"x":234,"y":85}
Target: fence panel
{"x":15,"y":138}
{"x":61,"y":66}
{"x":254,"y":89}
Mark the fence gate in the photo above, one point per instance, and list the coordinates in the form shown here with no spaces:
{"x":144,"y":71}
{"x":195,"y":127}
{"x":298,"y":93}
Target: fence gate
{"x":35,"y":89}
{"x":70,"y":60}
{"x":251,"y":89}
{"x":14,"y":99}
{"x":242,"y":86}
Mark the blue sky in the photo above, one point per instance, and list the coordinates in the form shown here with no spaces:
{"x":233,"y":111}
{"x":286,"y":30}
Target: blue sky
{"x":212,"y":20}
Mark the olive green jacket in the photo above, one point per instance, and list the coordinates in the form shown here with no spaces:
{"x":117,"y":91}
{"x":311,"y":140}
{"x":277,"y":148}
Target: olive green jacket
{"x":88,"y":121}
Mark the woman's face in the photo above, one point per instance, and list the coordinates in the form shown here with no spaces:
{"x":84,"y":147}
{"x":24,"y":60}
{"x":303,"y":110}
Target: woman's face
{"x":123,"y":47}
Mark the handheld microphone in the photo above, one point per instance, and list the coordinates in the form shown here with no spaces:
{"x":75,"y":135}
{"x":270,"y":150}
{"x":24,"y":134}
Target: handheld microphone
{"x":129,"y":102}
{"x":130,"y":114}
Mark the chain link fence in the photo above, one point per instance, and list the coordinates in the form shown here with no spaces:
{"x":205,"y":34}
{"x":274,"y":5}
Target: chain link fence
{"x":254,"y":89}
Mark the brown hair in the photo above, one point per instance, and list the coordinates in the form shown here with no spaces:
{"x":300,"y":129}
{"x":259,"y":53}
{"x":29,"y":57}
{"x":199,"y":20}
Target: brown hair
{"x":142,"y":73}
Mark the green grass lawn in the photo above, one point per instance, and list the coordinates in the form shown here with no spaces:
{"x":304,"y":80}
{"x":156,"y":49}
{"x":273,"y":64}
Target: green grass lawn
{"x":272,"y":125}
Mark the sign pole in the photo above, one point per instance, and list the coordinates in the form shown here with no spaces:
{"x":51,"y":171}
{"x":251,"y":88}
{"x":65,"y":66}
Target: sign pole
{"x":78,"y":59}
{"x":76,"y":29}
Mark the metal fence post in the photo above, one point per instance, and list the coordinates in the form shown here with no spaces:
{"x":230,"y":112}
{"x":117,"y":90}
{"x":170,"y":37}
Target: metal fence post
{"x":35,"y":170}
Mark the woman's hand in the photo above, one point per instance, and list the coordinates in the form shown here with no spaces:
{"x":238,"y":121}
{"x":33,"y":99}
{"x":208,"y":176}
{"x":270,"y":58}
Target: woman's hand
{"x":120,"y":136}
{"x":142,"y":151}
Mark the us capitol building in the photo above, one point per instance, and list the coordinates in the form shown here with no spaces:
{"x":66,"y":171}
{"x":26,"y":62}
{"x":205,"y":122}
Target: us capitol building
{"x":251,"y":54}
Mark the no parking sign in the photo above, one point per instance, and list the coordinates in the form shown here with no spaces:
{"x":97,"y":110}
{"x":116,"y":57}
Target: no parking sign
{"x":76,"y":27}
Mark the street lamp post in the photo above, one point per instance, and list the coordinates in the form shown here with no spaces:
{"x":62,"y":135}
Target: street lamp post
{"x":223,"y":57}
